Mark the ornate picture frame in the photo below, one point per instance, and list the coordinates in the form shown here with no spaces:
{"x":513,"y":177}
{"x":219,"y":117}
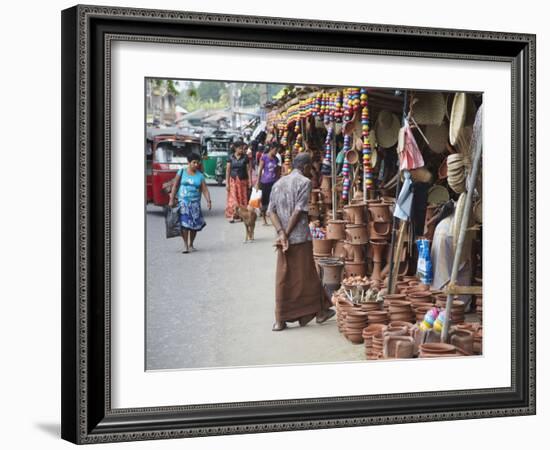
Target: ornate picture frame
{"x":88,"y":33}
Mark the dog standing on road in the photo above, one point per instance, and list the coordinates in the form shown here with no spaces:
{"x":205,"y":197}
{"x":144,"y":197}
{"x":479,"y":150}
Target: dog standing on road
{"x":248,"y":216}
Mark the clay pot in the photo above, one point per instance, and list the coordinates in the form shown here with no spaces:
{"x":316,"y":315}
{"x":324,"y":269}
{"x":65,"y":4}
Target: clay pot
{"x":419,"y":297}
{"x":336,"y":229}
{"x":380,"y":230}
{"x":339,"y":249}
{"x":379,"y":212}
{"x":357,"y":253}
{"x":355,"y":213}
{"x":357,"y":234}
{"x":398,"y":347}
{"x":464,"y":340}
{"x":372,"y":306}
{"x":393,"y":330}
{"x":330,"y":271}
{"x":378,"y":247}
{"x":377,"y":317}
{"x":355,"y":269}
{"x":322,"y":246}
{"x":436,"y":350}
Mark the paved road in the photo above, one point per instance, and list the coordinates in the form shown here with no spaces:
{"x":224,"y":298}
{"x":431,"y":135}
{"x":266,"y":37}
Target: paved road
{"x":214,"y":307}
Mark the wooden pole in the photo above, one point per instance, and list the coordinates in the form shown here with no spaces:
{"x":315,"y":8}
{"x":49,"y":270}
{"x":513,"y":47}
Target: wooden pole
{"x":463,"y":228}
{"x":394,"y":271}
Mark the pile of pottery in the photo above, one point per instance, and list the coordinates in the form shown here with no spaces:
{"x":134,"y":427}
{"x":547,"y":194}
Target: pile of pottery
{"x":401,"y":310}
{"x":355,"y":321}
{"x":378,"y":317}
{"x":456,"y":175}
{"x":380,"y":223}
{"x":458,"y":314}
{"x":356,"y":233}
{"x":368,"y":335}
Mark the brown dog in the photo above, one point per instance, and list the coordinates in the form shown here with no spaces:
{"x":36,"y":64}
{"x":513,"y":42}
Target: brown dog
{"x":248,"y":216}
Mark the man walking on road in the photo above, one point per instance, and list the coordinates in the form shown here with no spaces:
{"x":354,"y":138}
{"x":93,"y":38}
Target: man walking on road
{"x":299,"y":295}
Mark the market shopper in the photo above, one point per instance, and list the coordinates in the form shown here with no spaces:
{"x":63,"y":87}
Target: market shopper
{"x":269,"y":172}
{"x":299,"y":295}
{"x":238,"y":180}
{"x":188,"y":185}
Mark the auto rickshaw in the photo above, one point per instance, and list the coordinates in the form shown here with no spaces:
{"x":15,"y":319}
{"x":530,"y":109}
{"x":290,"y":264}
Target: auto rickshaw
{"x":166,"y":152}
{"x":216,"y":148}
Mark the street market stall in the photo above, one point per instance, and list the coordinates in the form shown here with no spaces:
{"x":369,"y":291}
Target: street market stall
{"x":395,"y":212}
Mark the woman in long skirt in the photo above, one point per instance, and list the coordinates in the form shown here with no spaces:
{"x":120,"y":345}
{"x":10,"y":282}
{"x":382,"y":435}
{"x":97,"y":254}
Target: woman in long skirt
{"x":238,"y":181}
{"x":189,"y":185}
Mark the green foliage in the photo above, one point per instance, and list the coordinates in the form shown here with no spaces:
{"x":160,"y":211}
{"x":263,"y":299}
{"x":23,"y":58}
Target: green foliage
{"x":211,"y":90}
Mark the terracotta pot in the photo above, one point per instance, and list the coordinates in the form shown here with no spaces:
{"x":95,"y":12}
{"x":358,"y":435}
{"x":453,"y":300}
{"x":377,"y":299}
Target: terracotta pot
{"x":322,"y":246}
{"x":437,"y":349}
{"x":372,"y":306}
{"x":464,"y":340}
{"x":394,"y":330}
{"x":377,"y":317}
{"x":339,"y":250}
{"x":336,"y":229}
{"x":379,"y":230}
{"x":355,"y":269}
{"x":378,"y":247}
{"x":419,"y":297}
{"x":379,"y":212}
{"x":355,"y":213}
{"x":357,"y":253}
{"x":398,"y":347}
{"x":330,"y":271}
{"x":357,"y":234}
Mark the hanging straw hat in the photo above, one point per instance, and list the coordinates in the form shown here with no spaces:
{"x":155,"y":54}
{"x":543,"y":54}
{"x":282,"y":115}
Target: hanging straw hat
{"x":438,"y":194}
{"x":462,"y":113}
{"x":386,"y":129}
{"x":428,"y":108}
{"x":421,"y":175}
{"x":437,"y":137}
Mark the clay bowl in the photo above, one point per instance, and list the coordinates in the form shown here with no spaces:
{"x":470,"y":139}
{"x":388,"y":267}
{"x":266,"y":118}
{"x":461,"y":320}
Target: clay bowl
{"x":401,"y":323}
{"x":436,"y":349}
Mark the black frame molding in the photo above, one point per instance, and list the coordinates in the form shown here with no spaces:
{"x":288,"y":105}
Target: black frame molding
{"x":87,"y":33}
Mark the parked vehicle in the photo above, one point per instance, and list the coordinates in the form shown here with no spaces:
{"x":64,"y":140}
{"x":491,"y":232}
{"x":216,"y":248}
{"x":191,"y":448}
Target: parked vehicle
{"x":166,"y":152}
{"x":216,"y":149}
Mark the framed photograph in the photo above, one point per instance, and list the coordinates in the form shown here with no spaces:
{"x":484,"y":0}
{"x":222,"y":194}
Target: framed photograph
{"x":284,"y":224}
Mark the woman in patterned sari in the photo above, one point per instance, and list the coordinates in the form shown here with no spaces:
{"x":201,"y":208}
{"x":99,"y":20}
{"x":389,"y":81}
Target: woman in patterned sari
{"x":238,"y":180}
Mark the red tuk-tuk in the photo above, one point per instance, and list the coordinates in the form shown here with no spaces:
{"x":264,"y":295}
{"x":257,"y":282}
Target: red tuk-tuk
{"x":166,"y":152}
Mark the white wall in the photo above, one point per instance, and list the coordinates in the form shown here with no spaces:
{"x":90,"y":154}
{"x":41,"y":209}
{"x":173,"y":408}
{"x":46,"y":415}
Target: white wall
{"x":30,"y":281}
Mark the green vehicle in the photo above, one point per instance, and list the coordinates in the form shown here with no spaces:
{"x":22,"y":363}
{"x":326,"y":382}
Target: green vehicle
{"x":216,"y":148}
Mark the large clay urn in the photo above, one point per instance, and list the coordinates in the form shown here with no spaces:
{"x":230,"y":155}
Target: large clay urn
{"x":336,"y":229}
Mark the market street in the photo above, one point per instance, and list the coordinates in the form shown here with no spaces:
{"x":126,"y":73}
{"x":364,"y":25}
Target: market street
{"x":215,"y":307}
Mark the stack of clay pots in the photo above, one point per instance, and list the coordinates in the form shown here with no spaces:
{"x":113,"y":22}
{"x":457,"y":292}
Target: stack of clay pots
{"x":368,"y":334}
{"x":388,"y":298}
{"x":401,"y":310}
{"x":326,"y":190}
{"x":380,"y":223}
{"x":378,"y":317}
{"x":342,"y":307}
{"x":377,"y":348}
{"x":457,"y":308}
{"x":316,"y":206}
{"x":355,"y":321}
{"x":356,"y":237}
{"x":436,"y":350}
{"x":398,"y":346}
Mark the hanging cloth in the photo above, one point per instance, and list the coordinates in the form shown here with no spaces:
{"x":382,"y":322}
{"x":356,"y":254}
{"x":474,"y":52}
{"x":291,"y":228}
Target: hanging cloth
{"x":407,"y":148}
{"x":404,"y":201}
